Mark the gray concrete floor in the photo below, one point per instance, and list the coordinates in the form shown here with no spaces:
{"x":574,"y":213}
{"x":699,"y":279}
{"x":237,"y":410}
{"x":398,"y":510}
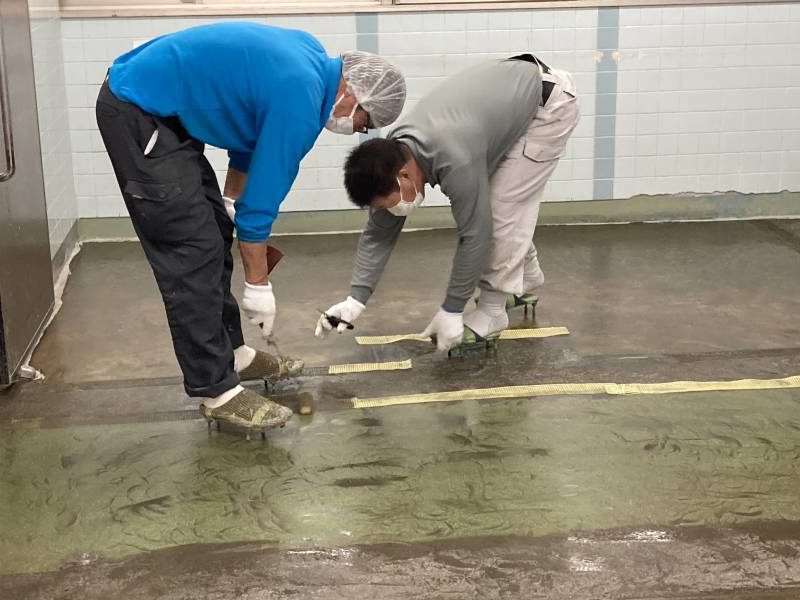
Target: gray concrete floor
{"x":111,"y":485}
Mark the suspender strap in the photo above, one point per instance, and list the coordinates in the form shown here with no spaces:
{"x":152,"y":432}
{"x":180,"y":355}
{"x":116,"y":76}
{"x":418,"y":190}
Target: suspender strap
{"x":547,"y":86}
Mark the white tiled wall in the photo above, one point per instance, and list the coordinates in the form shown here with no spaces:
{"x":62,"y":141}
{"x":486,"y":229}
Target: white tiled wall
{"x":54,"y":126}
{"x":708,"y":97}
{"x":430,"y":46}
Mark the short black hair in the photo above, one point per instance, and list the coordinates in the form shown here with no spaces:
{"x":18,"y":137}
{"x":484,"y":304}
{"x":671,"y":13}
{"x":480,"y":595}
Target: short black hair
{"x":371,"y":170}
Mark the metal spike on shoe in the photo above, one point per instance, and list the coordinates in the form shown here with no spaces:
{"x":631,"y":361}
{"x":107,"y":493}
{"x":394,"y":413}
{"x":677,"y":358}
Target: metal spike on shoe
{"x":472,"y":341}
{"x":527,"y":301}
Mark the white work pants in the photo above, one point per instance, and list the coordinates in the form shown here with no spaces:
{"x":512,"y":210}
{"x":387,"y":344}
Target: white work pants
{"x":516,"y":187}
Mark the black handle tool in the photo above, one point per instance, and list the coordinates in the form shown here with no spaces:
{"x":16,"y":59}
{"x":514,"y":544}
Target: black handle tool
{"x":335,"y":321}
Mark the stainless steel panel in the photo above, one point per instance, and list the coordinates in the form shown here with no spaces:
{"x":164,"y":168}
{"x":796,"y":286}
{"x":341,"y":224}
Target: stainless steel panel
{"x":5,"y":114}
{"x":26,"y":284}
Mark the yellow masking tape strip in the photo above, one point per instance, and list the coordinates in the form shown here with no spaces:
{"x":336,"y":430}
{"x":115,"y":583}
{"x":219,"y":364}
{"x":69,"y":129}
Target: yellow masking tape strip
{"x":541,"y":332}
{"x":557,"y":389}
{"x":508,"y":334}
{"x":374,"y":340}
{"x":367,"y":367}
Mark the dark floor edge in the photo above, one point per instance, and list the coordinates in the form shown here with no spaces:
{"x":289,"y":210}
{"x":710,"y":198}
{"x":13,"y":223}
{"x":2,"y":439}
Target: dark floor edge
{"x":292,"y":399}
{"x":787,"y":237}
{"x":770,"y":530}
{"x":192,"y":570}
{"x":590,"y":358}
{"x":697,"y":356}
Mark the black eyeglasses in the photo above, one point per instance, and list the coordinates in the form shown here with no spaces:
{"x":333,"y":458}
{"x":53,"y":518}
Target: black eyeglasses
{"x":369,"y":125}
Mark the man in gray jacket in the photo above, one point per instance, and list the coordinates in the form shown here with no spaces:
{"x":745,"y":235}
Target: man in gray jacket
{"x":490,"y":137}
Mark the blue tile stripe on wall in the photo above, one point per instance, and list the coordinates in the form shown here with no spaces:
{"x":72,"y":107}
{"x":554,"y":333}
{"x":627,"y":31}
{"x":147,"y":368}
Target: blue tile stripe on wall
{"x":367,"y":41}
{"x":605,"y":103}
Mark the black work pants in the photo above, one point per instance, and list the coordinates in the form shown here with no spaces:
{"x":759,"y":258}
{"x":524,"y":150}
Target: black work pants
{"x":177,"y":211}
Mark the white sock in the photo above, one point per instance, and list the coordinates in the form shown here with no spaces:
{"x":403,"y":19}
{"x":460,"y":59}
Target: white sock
{"x":532,"y":279}
{"x":490,"y":315}
{"x":483,"y":324}
{"x":242,"y":357}
{"x":223,"y":398}
{"x":492,"y":302}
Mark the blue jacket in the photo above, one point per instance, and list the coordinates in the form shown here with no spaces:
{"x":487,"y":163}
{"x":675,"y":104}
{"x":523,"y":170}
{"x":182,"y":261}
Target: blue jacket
{"x":262,"y":93}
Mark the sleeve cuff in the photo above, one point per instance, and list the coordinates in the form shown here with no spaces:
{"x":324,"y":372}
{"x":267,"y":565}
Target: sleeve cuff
{"x":250,"y":240}
{"x":239,"y":161}
{"x":360,"y":293}
{"x":454,"y":305}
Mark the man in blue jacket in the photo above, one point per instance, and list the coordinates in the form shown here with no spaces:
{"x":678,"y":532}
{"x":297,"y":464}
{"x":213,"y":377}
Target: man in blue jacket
{"x":264,"y":94}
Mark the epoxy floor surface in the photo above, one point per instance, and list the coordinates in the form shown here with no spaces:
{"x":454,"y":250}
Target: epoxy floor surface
{"x":111,"y":484}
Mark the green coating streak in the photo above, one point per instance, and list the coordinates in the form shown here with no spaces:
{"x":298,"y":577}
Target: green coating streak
{"x":421,"y":472}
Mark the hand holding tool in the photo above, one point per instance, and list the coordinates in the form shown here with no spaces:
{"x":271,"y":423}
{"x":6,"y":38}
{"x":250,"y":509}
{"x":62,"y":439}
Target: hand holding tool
{"x":339,"y":316}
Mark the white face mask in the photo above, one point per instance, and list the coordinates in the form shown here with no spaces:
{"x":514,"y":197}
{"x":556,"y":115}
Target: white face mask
{"x":402,"y":208}
{"x":343,"y":125}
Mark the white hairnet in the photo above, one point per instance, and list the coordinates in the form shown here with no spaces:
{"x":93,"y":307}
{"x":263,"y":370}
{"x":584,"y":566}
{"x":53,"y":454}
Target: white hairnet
{"x":379,"y":86}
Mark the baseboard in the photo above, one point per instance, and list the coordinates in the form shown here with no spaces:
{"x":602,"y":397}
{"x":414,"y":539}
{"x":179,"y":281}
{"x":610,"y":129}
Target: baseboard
{"x":719,"y":206}
{"x":637,"y":209}
{"x":66,"y":249}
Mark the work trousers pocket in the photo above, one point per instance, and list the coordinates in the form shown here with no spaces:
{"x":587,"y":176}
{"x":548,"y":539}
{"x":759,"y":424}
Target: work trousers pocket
{"x":168,"y":211}
{"x":547,"y":135}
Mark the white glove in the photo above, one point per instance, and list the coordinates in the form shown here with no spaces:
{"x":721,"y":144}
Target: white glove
{"x":230,"y":207}
{"x":447,"y":327}
{"x":349,"y":311}
{"x":258,"y":304}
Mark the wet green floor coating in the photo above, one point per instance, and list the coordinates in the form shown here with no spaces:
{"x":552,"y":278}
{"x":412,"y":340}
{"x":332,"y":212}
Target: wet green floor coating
{"x":420,"y":472}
